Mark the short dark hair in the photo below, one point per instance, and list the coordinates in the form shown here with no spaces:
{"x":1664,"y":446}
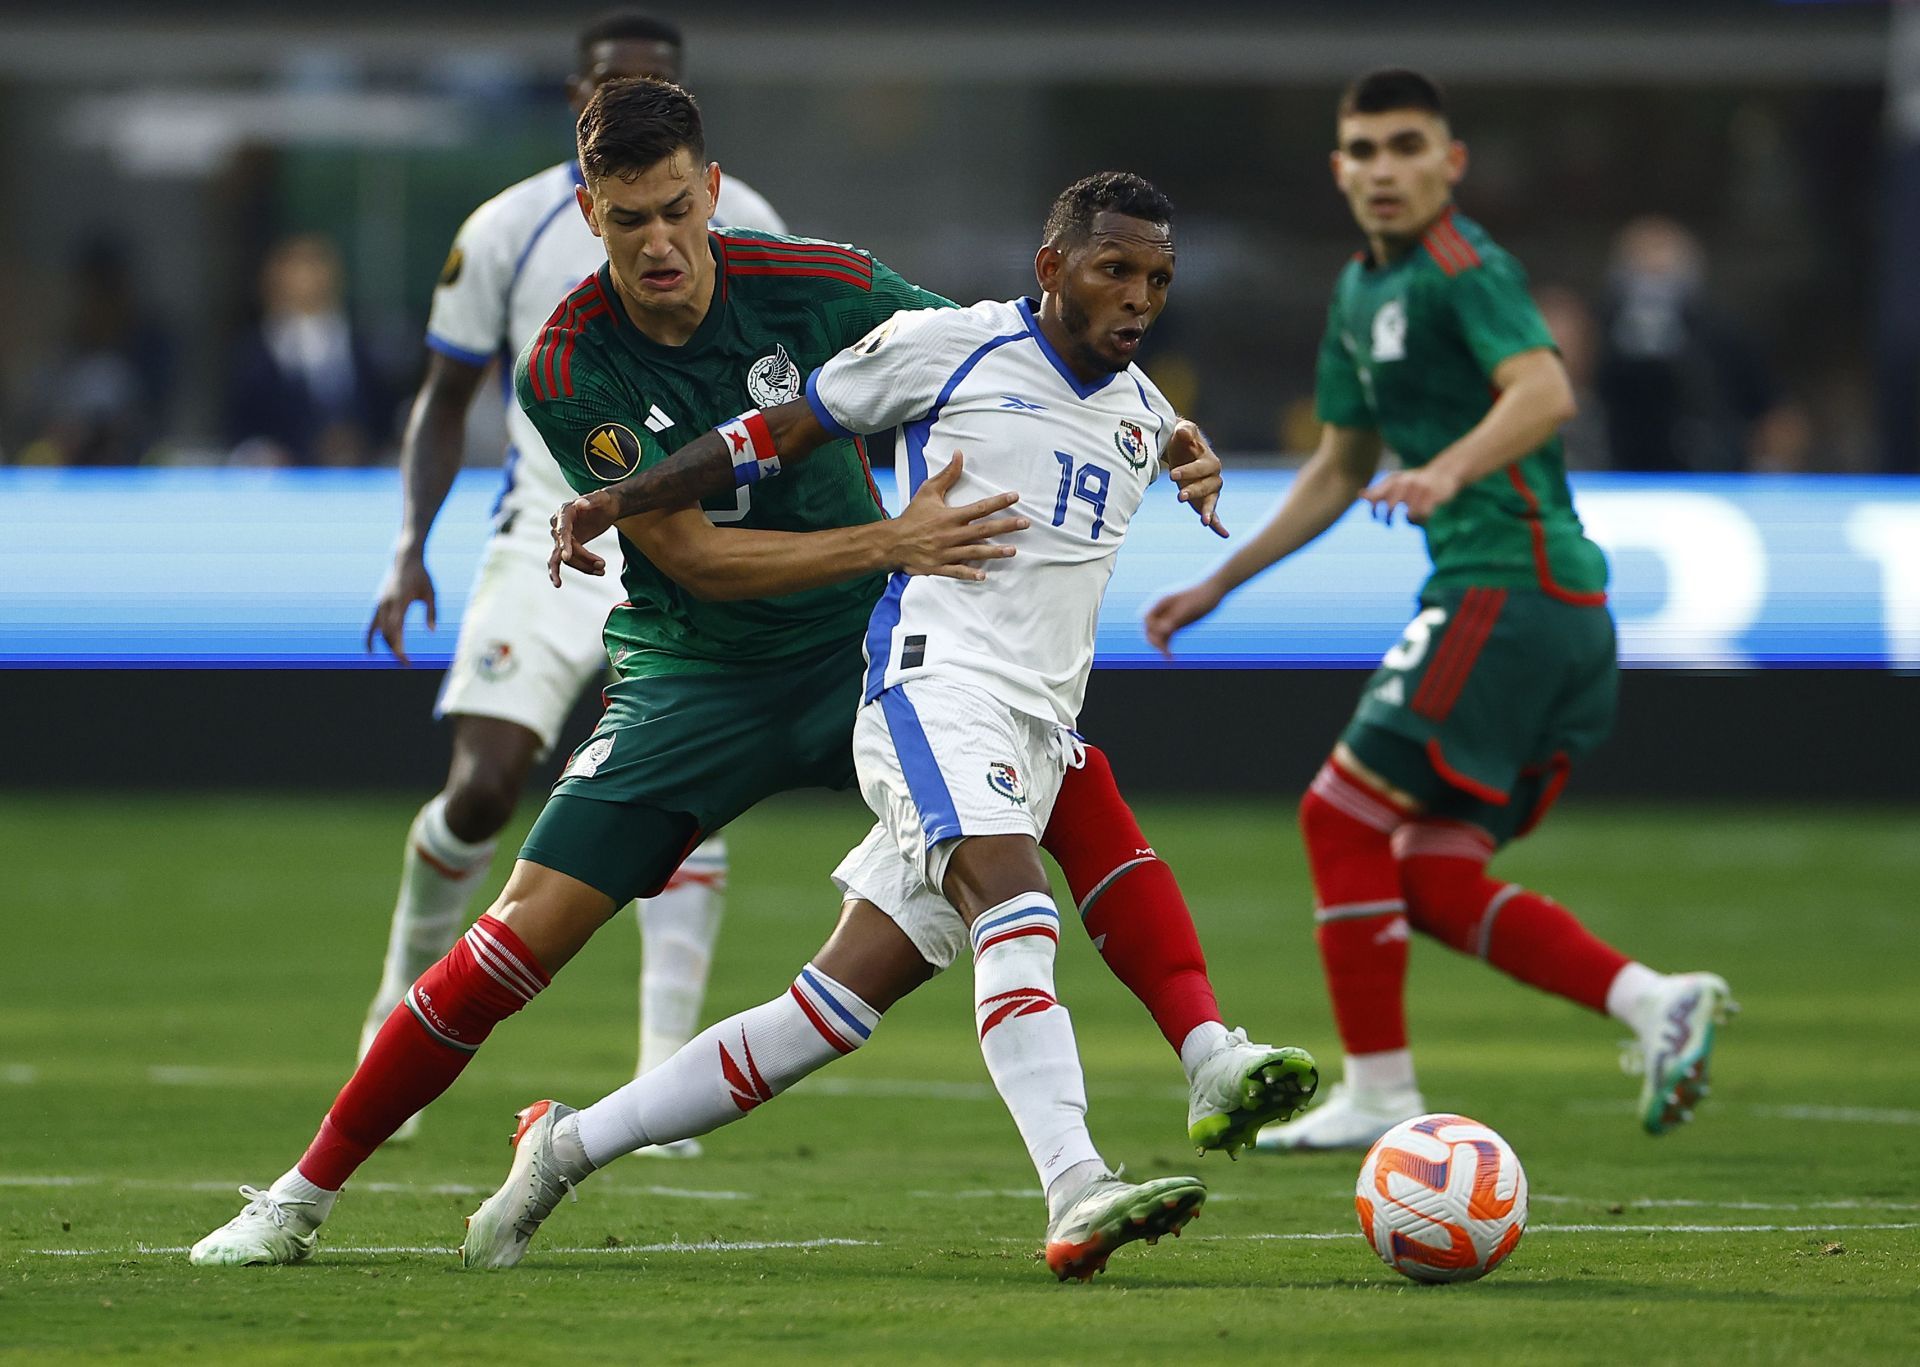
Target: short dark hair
{"x":1104,"y":192}
{"x":628,"y":25}
{"x":636,"y":122}
{"x":1379,"y":92}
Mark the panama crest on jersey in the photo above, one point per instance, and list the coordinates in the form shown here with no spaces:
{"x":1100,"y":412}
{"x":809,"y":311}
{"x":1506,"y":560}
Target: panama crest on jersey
{"x":1390,"y":331}
{"x":1005,"y":780}
{"x":774,"y":379}
{"x":1132,"y":443}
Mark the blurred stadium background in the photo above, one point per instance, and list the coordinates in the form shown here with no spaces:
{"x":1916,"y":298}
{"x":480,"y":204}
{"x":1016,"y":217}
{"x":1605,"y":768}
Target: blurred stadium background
{"x":1718,"y":202}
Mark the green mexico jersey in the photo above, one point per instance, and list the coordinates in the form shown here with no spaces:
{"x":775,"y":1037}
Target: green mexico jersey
{"x":609,"y":401}
{"x":1410,"y":350}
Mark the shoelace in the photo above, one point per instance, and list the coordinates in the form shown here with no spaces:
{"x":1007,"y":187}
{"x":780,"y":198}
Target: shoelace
{"x":266,"y":1203}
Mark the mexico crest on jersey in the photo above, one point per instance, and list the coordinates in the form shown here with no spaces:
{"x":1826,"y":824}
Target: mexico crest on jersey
{"x":587,"y":760}
{"x":1133,"y":445}
{"x":1005,"y":780}
{"x":612,"y":451}
{"x":774,"y":379}
{"x":1390,"y":331}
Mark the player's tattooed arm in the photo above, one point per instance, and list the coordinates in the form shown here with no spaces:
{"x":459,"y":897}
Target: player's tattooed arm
{"x":1190,"y":459}
{"x":711,"y":464}
{"x":717,"y":564}
{"x":1536,"y":397}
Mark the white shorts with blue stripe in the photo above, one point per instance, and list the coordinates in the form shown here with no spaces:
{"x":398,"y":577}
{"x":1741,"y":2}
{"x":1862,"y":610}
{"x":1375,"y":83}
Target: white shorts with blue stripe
{"x":939,"y":761}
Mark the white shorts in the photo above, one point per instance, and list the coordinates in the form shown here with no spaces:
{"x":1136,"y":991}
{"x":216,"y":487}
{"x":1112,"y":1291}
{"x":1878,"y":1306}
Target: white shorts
{"x":527,"y":649}
{"x":938,"y":762}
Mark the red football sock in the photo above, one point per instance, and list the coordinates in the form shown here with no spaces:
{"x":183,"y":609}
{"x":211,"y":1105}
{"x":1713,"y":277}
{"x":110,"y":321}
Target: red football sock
{"x":1519,"y":932}
{"x":1360,"y":919}
{"x":486,"y":977}
{"x":1129,"y":902}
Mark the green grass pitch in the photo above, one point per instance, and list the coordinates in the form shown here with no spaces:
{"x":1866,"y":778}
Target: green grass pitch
{"x":184,"y":979}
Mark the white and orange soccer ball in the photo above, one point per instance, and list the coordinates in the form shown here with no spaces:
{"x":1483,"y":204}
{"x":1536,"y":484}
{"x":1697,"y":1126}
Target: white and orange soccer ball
{"x":1442,"y":1198}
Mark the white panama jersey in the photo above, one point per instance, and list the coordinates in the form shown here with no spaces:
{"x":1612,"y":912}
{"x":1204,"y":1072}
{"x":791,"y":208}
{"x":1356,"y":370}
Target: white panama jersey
{"x":514,"y":259}
{"x":983,"y":381}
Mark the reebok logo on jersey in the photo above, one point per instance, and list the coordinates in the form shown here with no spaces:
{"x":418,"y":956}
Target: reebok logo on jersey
{"x":1390,"y":331}
{"x":612,"y":451}
{"x":1005,"y":780}
{"x":657,"y":421}
{"x":773,"y":379}
{"x":1132,"y":444}
{"x":1020,"y":405}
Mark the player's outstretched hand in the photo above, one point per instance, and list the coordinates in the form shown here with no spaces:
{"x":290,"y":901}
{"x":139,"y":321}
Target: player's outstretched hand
{"x":573,"y":527}
{"x":1181,"y":608}
{"x":406,"y":583}
{"x":1419,"y":491}
{"x":1196,"y":469}
{"x":931,"y":538}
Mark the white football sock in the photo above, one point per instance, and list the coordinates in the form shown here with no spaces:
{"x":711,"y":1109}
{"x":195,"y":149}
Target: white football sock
{"x":291,"y":1186}
{"x":1390,"y":1070}
{"x":677,"y":933}
{"x":730,"y":1068}
{"x":438,"y":878}
{"x":1629,"y":991}
{"x":1201,"y":1041}
{"x":1026,"y":1036}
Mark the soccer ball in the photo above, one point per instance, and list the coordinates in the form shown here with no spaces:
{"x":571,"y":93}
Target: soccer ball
{"x":1442,"y":1199}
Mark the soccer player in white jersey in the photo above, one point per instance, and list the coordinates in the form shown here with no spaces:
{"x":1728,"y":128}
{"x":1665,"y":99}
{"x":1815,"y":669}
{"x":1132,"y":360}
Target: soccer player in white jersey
{"x":525,"y":653}
{"x":965,"y":729}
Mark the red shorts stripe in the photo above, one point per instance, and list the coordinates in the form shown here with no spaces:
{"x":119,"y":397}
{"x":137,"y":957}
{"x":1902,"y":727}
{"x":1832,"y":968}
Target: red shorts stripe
{"x":1473,"y":787}
{"x":827,"y":1032}
{"x":1454,"y":660}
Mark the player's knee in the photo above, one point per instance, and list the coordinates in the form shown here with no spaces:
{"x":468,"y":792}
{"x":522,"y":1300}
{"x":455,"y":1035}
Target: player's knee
{"x":480,"y":800}
{"x":1443,"y":877}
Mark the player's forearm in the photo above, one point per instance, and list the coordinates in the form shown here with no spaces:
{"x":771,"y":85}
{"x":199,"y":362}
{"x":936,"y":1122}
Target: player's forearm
{"x":432,"y":449}
{"x":737,"y":563}
{"x":709,"y":465}
{"x":1522,"y":419}
{"x":1324,"y":489}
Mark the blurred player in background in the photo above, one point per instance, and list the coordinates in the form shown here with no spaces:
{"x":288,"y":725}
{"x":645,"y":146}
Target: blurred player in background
{"x":739,"y":650}
{"x":525,"y":653}
{"x":1463,"y":737}
{"x":965,"y":732}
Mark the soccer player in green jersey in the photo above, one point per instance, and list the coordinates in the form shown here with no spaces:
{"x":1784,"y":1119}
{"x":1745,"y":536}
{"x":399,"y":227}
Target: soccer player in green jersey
{"x":1464,"y":736}
{"x":739,"y":649}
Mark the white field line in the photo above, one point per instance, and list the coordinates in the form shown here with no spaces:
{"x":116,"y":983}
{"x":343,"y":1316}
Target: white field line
{"x":199,"y":1075}
{"x":57,"y":1181}
{"x":757,"y":1245}
{"x":387,"y":1188}
{"x":703,"y":1246}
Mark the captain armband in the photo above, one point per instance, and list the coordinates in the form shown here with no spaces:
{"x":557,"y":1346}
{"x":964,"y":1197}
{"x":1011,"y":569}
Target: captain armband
{"x":750,"y":446}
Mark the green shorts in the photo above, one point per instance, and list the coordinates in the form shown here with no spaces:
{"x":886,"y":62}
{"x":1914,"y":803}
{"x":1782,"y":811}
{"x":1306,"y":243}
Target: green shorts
{"x":1489,"y":697}
{"x":677,"y":757}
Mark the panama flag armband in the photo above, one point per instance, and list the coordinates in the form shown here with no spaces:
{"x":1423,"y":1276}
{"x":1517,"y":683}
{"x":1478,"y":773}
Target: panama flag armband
{"x":750,"y":445}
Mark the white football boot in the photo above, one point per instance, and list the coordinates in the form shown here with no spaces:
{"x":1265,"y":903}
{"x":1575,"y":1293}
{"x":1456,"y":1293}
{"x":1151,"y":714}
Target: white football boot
{"x":498,"y":1233}
{"x":272,"y":1229}
{"x":1675,"y":1026}
{"x":1112,"y":1212}
{"x":1240,"y":1087}
{"x":1345,"y":1120}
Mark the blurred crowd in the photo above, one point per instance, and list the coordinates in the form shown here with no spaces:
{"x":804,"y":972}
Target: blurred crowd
{"x":1668,"y":380}
{"x":303,"y":385}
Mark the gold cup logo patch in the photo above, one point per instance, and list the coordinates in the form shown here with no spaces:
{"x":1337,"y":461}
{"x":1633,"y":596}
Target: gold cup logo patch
{"x":612,"y":451}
